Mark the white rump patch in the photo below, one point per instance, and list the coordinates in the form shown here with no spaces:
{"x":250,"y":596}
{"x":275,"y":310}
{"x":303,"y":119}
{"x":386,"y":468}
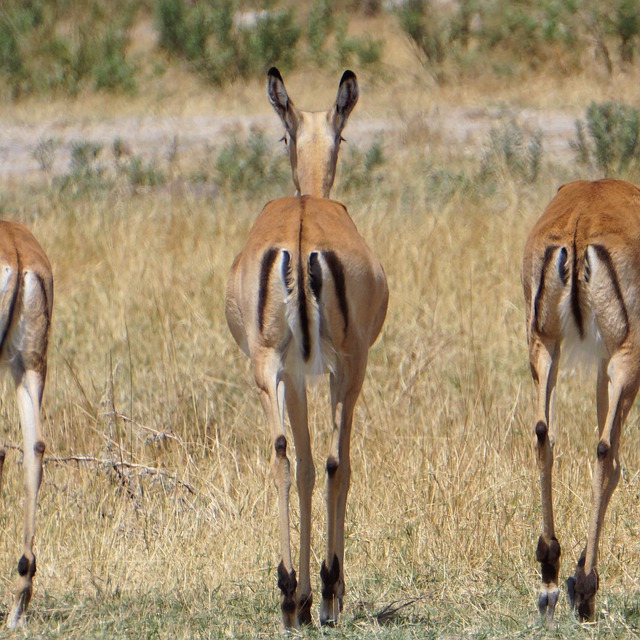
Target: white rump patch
{"x":590,"y":349}
{"x":321,"y":357}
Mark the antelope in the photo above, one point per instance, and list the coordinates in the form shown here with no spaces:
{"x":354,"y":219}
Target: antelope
{"x":307,"y":296}
{"x":581,"y":279}
{"x":26,"y":303}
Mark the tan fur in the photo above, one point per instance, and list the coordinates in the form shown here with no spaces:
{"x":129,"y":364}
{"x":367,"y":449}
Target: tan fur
{"x":591,"y":301}
{"x":26,"y":304}
{"x":266,"y":303}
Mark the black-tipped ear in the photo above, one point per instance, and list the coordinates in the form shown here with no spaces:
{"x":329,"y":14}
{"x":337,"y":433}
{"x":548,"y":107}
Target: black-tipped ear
{"x":280,"y":100}
{"x":346,"y":99}
{"x":273,"y":71}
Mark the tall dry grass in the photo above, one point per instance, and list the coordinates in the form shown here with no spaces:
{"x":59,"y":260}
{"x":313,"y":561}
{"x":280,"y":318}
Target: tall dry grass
{"x":168,"y":527}
{"x":157,"y":514}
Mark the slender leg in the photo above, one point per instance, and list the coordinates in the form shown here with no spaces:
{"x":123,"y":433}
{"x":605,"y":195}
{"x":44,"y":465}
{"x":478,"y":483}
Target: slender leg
{"x":345,"y":389}
{"x":267,"y":372}
{"x":29,"y":387}
{"x":544,"y":359}
{"x":2,"y":456}
{"x":296,"y":399}
{"x":583,"y":586}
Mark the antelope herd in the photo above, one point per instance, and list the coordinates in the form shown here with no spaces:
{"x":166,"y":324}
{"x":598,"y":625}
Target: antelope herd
{"x":307,"y":296}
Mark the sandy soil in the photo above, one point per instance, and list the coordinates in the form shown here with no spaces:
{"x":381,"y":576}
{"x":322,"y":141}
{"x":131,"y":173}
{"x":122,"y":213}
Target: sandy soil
{"x":154,"y":137}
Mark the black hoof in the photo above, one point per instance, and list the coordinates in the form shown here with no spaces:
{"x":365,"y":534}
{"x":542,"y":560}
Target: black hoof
{"x":304,"y":610}
{"x":582,"y":590}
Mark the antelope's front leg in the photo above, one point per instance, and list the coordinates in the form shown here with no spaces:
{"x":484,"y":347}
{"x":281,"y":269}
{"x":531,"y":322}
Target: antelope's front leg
{"x":29,"y":391}
{"x":544,"y":368}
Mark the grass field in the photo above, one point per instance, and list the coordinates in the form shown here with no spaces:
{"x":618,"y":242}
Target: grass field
{"x":157,"y":513}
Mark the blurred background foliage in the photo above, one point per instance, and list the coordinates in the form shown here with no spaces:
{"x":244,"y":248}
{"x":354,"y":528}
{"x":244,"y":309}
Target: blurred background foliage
{"x":66,"y":46}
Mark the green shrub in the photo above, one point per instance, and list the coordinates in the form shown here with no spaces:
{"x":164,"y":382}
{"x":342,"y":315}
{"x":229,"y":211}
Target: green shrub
{"x":320,"y":24}
{"x":359,"y":170}
{"x":626,"y":25}
{"x":204,"y":35}
{"x":350,"y":50}
{"x":508,"y":151}
{"x":434,"y":33}
{"x":111,"y":71}
{"x":249,"y":165}
{"x":610,"y":138}
{"x":272,"y":40}
{"x":141,"y":174}
{"x":86,"y":172}
{"x":170,"y":20}
{"x":59,"y":45}
{"x":44,"y":153}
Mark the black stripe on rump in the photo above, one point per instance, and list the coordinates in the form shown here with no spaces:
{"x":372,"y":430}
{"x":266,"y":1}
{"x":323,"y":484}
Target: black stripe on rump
{"x":575,"y":295}
{"x":268,"y":258}
{"x":43,"y":288}
{"x":315,"y":275}
{"x":563,"y":271}
{"x":548,"y":252}
{"x":12,"y":305}
{"x":337,"y":273}
{"x":605,"y":257}
{"x":302,"y":312}
{"x":286,"y":271}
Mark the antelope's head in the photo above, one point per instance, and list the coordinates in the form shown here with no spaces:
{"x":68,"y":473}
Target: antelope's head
{"x":313,"y":137}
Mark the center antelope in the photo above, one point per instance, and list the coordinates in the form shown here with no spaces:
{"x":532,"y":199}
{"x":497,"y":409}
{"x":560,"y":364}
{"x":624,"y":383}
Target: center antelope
{"x":26,"y":299}
{"x":581,"y":278}
{"x":307,"y":296}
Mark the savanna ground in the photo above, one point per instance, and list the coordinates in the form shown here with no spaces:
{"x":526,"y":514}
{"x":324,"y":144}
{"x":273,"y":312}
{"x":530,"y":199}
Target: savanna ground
{"x":157,"y":513}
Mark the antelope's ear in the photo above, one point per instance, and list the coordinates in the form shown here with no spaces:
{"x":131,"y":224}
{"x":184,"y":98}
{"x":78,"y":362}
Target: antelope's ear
{"x":279,"y":99}
{"x":346,"y":99}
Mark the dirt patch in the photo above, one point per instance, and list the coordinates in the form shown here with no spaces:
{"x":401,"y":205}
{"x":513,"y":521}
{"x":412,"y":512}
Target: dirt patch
{"x":154,"y":138}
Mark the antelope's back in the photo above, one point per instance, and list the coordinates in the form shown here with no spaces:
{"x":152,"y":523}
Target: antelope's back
{"x":581,"y":267}
{"x":302,"y":226}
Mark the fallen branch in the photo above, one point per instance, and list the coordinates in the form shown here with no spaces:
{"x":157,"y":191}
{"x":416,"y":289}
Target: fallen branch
{"x":154,"y":471}
{"x":390,"y":610}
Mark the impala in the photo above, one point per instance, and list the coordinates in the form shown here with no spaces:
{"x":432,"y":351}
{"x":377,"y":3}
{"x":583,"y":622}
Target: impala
{"x":581,"y":278}
{"x":307,"y":296}
{"x":26,"y":299}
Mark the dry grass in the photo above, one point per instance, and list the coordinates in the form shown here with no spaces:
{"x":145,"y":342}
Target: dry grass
{"x":169,"y":531}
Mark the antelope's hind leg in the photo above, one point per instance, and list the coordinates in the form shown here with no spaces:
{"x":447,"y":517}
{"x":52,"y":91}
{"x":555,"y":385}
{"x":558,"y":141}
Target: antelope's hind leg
{"x":296,"y":399}
{"x":267,"y":372}
{"x":28,"y":339}
{"x":345,"y":389}
{"x":544,"y":357}
{"x":29,"y":387}
{"x":617,"y":389}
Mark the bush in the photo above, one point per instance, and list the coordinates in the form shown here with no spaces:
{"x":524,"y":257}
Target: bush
{"x":250,"y":165}
{"x":205,"y":35}
{"x":434,"y":34}
{"x":510,"y":152}
{"x":362,"y":51}
{"x":272,"y":40}
{"x":111,"y":71}
{"x":58,"y":46}
{"x":320,"y":24}
{"x":612,"y":142}
{"x":86,"y":172}
{"x":360,"y":170}
{"x":141,"y":174}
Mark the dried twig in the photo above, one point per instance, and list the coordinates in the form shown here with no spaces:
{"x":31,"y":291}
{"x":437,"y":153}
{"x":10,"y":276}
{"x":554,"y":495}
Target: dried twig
{"x":390,"y":610}
{"x":121,"y":464}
